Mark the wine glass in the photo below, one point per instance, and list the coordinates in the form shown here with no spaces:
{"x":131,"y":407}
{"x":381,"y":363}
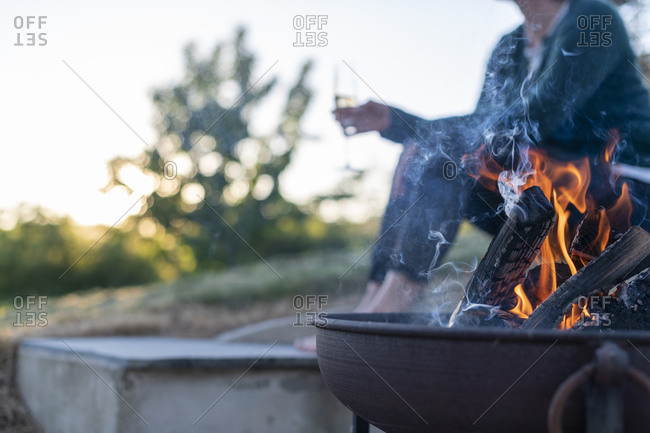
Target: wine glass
{"x":345,"y":95}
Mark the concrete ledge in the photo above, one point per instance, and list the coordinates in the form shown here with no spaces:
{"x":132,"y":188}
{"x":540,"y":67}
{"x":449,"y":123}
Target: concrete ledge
{"x":152,"y":384}
{"x":160,"y":352}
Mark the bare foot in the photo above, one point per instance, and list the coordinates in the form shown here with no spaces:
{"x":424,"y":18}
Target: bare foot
{"x":371,"y":291}
{"x":307,"y":344}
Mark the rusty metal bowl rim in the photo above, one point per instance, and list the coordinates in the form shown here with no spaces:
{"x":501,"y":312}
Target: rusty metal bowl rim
{"x":399,"y":324}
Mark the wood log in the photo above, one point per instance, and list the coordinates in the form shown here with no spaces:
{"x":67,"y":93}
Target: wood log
{"x":624,"y":307}
{"x":584,"y":246}
{"x":512,"y":251}
{"x":611,"y":267}
{"x":510,"y":254}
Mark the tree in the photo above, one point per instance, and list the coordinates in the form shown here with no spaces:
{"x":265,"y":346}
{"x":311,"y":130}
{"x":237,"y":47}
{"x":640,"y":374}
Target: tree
{"x":216,"y":187}
{"x":47,"y":255}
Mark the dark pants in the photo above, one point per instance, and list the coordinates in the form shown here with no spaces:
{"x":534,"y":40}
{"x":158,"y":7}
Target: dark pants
{"x":428,"y":201}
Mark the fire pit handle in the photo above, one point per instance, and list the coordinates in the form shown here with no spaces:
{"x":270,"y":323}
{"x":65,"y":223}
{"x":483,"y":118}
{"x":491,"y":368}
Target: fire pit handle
{"x":611,"y":365}
{"x":562,"y":394}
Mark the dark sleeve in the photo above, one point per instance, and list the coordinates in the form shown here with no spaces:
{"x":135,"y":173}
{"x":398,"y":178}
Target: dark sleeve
{"x":434,"y":134}
{"x":448,"y":137}
{"x":402,"y":126}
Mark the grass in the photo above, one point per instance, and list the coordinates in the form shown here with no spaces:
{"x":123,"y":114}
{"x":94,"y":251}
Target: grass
{"x":206,"y":304}
{"x":276,"y":280}
{"x":279,"y":279}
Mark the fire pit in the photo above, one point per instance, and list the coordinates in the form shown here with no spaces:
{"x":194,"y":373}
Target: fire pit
{"x":403,"y":374}
{"x":488,"y":369}
{"x":500,"y":362}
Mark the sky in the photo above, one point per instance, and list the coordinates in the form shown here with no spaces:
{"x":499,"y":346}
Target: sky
{"x":84,"y":96}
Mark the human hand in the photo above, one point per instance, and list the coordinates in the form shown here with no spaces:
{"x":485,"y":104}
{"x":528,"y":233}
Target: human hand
{"x":371,"y":116}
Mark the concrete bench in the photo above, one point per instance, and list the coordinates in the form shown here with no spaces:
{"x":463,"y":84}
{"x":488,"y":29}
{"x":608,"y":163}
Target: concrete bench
{"x":155,"y":384}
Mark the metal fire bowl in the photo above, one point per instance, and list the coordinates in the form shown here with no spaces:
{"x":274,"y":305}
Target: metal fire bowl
{"x":402,"y":374}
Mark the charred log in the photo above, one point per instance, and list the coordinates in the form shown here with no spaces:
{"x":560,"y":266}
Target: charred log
{"x":586,"y":246}
{"x":512,"y":251}
{"x":485,"y":316}
{"x":625,"y":307}
{"x":510,"y":254}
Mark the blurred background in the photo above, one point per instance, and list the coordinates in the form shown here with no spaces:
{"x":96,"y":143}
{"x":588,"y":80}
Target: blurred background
{"x":174,"y":168}
{"x":150,"y":140}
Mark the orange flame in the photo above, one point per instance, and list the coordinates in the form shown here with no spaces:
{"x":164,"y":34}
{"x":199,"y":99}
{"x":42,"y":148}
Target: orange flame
{"x":622,"y":210}
{"x":565,"y":184}
{"x":577,"y":313}
{"x":523,"y":308}
{"x":608,"y":152}
{"x":600,"y":242}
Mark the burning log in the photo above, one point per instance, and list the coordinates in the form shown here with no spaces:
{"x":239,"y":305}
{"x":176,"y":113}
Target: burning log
{"x":625,"y":307}
{"x":612,"y":266}
{"x":591,"y":236}
{"x":510,"y":254}
{"x":512,"y":251}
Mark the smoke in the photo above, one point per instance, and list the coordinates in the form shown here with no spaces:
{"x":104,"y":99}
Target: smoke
{"x":474,"y":315}
{"x":440,"y":240}
{"x":447,"y":287}
{"x":508,"y":133}
{"x":510,"y":187}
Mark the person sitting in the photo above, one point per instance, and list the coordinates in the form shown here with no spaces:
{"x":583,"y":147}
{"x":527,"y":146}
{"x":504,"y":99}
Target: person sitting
{"x":549,"y":84}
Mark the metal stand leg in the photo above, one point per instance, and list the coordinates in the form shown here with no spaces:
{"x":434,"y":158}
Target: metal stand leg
{"x":359,"y":425}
